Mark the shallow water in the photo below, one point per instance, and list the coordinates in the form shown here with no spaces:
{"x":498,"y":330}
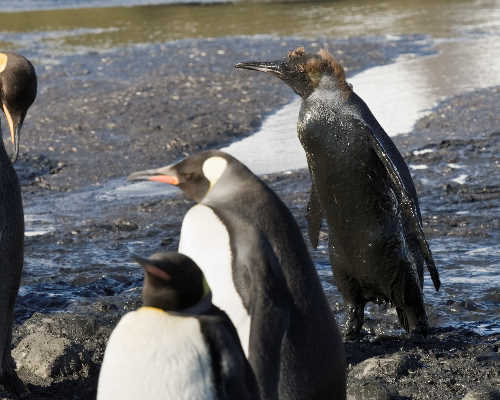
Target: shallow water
{"x":63,"y":30}
{"x":398,"y":94}
{"x":463,"y":37}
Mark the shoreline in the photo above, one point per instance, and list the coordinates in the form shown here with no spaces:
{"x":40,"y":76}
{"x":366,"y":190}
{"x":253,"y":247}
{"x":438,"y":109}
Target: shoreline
{"x":59,"y":353}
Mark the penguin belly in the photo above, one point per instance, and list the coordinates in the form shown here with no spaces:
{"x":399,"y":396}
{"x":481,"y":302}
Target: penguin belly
{"x":155,"y":355}
{"x":205,"y":239}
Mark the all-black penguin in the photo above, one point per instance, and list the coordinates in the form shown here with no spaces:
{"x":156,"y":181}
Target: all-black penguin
{"x":178,"y":345}
{"x":361,"y":184}
{"x":18,"y":85}
{"x":253,"y":255}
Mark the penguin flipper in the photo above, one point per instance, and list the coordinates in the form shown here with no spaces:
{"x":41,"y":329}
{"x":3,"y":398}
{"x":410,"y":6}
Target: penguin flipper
{"x":407,"y":201}
{"x":269,"y":317}
{"x":314,"y":216}
{"x":232,"y":370}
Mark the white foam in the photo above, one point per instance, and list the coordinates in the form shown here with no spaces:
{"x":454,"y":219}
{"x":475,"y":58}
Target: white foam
{"x":418,"y":166}
{"x":423,"y":151}
{"x":455,"y":166}
{"x":487,"y":251}
{"x":460,"y":179}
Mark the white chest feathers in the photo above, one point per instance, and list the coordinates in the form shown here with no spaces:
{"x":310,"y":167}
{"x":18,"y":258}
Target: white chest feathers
{"x":205,"y":239}
{"x":154,"y":355}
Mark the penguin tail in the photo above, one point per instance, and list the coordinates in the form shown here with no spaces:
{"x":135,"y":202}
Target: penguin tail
{"x":424,"y":247}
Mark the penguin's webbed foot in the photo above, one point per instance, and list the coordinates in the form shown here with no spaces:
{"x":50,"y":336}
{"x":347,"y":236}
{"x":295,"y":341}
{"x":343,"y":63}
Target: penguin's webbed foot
{"x":419,"y":331}
{"x":355,"y":319}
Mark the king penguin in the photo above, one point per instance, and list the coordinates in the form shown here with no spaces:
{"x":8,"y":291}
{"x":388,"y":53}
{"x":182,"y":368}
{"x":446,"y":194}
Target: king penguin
{"x":254,"y":257}
{"x":178,"y":345}
{"x":18,"y":86}
{"x":361,"y":184}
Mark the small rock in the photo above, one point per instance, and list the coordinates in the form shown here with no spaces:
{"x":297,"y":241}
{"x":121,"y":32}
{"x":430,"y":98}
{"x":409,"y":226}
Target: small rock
{"x":52,"y":348}
{"x":6,"y":395}
{"x":483,"y":393}
{"x":488,"y":356}
{"x":48,"y":357}
{"x":371,"y":390}
{"x":393,"y":367}
{"x":124,"y":225}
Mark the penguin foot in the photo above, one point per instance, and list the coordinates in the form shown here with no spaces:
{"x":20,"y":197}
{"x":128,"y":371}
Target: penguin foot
{"x":419,"y":332}
{"x":355,"y":319}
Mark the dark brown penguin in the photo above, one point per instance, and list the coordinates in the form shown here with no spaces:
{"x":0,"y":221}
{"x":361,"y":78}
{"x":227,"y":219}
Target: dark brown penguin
{"x":17,"y":92}
{"x":362,"y":185}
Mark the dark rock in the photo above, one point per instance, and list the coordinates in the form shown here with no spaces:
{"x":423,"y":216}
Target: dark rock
{"x":124,"y":225}
{"x":490,"y":356}
{"x":392,"y":367}
{"x":372,"y":390}
{"x":51,"y":348}
{"x":483,"y":393}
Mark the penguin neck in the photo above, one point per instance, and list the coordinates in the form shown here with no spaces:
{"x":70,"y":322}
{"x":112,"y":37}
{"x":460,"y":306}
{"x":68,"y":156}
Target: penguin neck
{"x":229,"y":186}
{"x":4,"y":157}
{"x":198,"y":308}
{"x":8,"y":176}
{"x":331,"y":84}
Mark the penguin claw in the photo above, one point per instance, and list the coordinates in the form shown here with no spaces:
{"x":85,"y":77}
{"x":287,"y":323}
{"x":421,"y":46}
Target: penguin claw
{"x":355,"y":319}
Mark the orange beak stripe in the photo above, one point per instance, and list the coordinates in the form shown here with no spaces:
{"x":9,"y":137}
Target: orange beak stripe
{"x":171,"y":180}
{"x":157,"y":272}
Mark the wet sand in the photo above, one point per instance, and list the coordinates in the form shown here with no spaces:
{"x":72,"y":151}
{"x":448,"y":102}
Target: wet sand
{"x":88,"y":127}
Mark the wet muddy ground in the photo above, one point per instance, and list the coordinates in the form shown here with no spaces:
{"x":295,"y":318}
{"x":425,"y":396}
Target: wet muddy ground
{"x":99,"y":116}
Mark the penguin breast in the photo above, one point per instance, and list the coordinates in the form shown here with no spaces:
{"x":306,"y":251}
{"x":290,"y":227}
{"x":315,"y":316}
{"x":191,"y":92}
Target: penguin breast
{"x":154,"y":355}
{"x":205,"y":239}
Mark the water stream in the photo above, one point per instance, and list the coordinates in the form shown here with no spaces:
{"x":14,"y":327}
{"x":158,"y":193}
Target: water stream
{"x":464,"y":34}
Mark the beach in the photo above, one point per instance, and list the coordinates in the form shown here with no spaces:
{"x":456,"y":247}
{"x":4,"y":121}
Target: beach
{"x":102,"y":114}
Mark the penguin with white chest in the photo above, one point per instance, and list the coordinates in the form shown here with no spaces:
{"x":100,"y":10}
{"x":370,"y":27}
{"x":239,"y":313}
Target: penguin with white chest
{"x":18,"y":87}
{"x":252,"y":253}
{"x":178,"y":346}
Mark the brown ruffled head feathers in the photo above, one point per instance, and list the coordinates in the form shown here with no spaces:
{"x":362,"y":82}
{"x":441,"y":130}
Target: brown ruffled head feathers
{"x":316,"y":65}
{"x":303,"y":72}
{"x":326,"y":64}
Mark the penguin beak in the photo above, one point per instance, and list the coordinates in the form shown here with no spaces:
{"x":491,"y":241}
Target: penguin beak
{"x":165,"y":175}
{"x":151,"y":268}
{"x":15,"y":125}
{"x":274,"y":67}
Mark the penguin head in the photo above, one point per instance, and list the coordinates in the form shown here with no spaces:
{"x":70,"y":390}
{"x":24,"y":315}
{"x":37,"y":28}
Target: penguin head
{"x":18,"y":87}
{"x":172,"y":281}
{"x":302,"y":71}
{"x":196,"y":175}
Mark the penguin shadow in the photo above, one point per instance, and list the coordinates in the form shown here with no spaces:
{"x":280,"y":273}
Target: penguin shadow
{"x":438,"y":341}
{"x":86,"y":389}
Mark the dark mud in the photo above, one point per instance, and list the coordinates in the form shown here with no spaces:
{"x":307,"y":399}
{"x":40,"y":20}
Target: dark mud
{"x":146,"y":105}
{"x":99,"y":116}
